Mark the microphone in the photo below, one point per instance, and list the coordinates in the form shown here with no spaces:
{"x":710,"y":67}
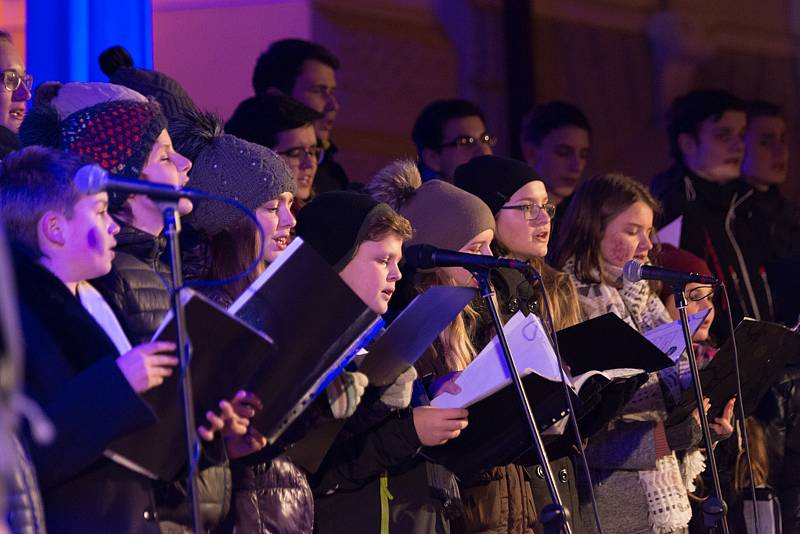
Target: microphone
{"x":633,"y":271}
{"x":92,"y":179}
{"x":428,"y":257}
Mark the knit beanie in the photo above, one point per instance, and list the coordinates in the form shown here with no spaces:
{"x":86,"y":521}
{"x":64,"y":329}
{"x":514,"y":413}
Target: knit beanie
{"x":70,"y":97}
{"x":259,"y":119}
{"x":227,"y":166}
{"x":440,"y":213}
{"x":337,"y":222}
{"x":494,"y":179}
{"x":677,"y":259}
{"x":117,"y":64}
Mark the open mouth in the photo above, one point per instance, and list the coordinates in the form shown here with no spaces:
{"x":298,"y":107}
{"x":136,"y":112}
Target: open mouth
{"x":17,"y":114}
{"x":733,"y":161}
{"x":388,"y":292}
{"x":544,"y":235}
{"x":281,"y":242}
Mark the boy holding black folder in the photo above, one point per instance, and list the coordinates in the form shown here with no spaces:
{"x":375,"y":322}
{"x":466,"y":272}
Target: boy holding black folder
{"x":79,"y":364}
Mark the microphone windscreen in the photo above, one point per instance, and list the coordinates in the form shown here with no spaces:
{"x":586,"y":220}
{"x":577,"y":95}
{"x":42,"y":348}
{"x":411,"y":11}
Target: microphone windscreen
{"x":90,"y":179}
{"x":419,"y":256}
{"x":632,"y":271}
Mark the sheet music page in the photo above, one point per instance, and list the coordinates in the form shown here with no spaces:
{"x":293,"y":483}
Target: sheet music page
{"x":669,"y":336}
{"x":488,"y":372}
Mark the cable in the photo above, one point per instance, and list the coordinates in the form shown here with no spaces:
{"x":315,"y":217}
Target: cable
{"x":250,"y":268}
{"x":573,"y":415}
{"x":742,"y":415}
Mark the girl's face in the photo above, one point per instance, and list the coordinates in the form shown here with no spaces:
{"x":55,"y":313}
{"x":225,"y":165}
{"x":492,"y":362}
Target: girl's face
{"x":477,"y":245}
{"x":627,"y":236}
{"x":166,"y":166}
{"x":699,"y":297}
{"x":523,"y":237}
{"x":275,"y":217}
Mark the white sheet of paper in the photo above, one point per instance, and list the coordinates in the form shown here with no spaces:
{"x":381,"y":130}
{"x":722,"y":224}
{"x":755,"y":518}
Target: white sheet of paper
{"x":488,"y":372}
{"x":669,"y":336}
{"x":671,"y":233}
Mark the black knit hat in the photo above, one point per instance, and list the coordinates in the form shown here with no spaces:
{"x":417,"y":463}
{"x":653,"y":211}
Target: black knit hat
{"x":116,"y":62}
{"x":336,"y":223}
{"x":260,"y":118}
{"x":494,"y":179}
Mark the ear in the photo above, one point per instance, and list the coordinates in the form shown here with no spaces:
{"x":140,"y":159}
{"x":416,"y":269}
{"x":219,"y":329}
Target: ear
{"x":50,"y":231}
{"x":687,"y":144}
{"x":529,"y":153}
{"x":432,"y":159}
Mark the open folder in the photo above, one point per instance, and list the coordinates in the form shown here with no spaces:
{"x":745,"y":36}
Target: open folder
{"x":317,"y":324}
{"x":608,"y":342}
{"x":396,"y":349}
{"x":764,"y":350}
{"x":217,"y":339}
{"x":412,"y":332}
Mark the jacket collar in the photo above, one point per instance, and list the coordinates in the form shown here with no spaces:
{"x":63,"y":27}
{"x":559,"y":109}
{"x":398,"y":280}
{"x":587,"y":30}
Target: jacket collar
{"x":142,"y":245}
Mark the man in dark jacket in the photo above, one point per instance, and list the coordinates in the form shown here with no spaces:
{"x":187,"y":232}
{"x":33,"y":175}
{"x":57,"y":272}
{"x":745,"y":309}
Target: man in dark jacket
{"x":306,"y":71}
{"x":703,"y":187}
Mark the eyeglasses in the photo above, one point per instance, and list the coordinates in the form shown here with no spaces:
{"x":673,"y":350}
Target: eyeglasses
{"x":314,"y":153}
{"x":12,"y":80}
{"x":467,"y":141}
{"x":700,"y":293}
{"x":532,"y":211}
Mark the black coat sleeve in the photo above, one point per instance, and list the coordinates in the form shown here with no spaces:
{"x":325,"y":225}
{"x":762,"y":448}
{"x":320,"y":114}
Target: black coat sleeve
{"x":355,"y":461}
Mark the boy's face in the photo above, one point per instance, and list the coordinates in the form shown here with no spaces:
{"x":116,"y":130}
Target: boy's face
{"x":86,"y":241}
{"x":561,"y":159}
{"x":716,"y":152}
{"x":374,"y":270}
{"x":447,"y":159}
{"x":298,"y":148}
{"x":766,"y":157}
{"x":316,"y":88}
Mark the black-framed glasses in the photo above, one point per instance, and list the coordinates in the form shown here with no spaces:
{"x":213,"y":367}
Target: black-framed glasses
{"x":314,"y":153}
{"x":532,"y":211}
{"x":12,"y":80}
{"x":700,"y":293}
{"x":467,"y":141}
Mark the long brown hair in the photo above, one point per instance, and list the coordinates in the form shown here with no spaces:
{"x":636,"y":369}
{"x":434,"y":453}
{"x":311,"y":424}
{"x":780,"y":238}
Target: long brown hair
{"x":596,"y":202}
{"x":232,"y":251}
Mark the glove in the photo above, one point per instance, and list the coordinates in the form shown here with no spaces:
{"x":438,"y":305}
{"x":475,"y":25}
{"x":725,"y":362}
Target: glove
{"x":398,"y":395}
{"x":345,"y":392}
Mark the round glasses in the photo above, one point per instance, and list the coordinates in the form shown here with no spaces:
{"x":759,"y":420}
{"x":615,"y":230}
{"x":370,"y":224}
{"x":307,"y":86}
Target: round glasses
{"x":12,"y":80}
{"x":700,"y":293}
{"x":314,"y":153}
{"x":533,"y":211}
{"x":466,"y":141}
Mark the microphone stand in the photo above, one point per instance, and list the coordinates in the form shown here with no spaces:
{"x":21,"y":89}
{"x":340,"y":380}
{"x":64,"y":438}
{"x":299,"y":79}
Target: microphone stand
{"x":553,"y":516}
{"x":172,"y":229}
{"x":714,"y":508}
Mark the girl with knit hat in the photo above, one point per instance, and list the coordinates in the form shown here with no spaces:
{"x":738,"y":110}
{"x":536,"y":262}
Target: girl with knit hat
{"x":609,"y":222}
{"x":442,"y":215}
{"x":517,"y":197}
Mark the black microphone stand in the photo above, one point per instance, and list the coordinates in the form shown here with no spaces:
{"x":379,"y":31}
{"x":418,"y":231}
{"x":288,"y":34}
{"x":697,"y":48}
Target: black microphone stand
{"x":714,"y":508}
{"x":553,"y":516}
{"x":172,"y":229}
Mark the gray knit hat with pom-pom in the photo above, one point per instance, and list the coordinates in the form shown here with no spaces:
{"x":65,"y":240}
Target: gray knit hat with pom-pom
{"x":228,"y":166}
{"x":440,"y":213}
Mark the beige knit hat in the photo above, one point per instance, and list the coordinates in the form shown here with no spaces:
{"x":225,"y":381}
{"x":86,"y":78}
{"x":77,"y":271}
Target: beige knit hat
{"x":440,"y":213}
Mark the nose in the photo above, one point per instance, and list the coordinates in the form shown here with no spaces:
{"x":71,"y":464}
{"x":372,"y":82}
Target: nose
{"x":484,"y":149}
{"x":307,"y":161}
{"x":332,"y":103}
{"x":113,"y":228}
{"x":737,"y":145}
{"x":394,"y":272}
{"x":22,"y":94}
{"x":287,"y":217}
{"x":575,"y":163}
{"x":646,"y":244}
{"x":182,"y":163}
